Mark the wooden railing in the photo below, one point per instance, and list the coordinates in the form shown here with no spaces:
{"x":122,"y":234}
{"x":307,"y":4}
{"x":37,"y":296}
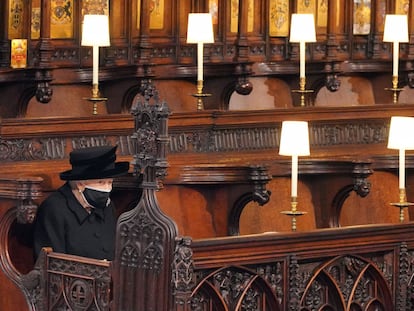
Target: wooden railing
{"x":354,"y":268}
{"x":359,"y":268}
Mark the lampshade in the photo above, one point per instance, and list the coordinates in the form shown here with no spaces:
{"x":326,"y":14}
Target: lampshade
{"x":396,"y":28}
{"x":302,"y":28}
{"x":401,"y":134}
{"x":95,"y":30}
{"x":294,"y":138}
{"x":200,"y":28}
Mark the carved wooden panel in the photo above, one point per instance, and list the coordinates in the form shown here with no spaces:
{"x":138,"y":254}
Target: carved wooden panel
{"x":239,"y":288}
{"x":231,"y":139}
{"x":347,"y":283}
{"x":67,"y":282}
{"x":340,"y":283}
{"x":303,"y":276}
{"x":77,"y":286}
{"x":145,"y":236}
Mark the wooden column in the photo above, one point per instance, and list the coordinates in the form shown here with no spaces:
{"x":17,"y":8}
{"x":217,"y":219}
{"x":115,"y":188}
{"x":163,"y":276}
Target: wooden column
{"x":242,"y":53}
{"x":144,"y":45}
{"x":4,"y":42}
{"x":45,"y":51}
{"x":45,"y":46}
{"x":335,"y":28}
{"x":411,"y":31}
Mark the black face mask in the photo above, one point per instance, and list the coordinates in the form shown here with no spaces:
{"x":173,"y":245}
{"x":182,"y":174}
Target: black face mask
{"x":96,"y":198}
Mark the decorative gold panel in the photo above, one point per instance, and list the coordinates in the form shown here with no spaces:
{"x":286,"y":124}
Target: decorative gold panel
{"x":319,"y":8}
{"x":279,"y":18}
{"x":362,"y":17}
{"x":35,"y":22}
{"x":213,"y":9}
{"x":95,"y":7}
{"x":402,"y":6}
{"x":322,"y":13}
{"x":156,"y":14}
{"x":18,"y":53}
{"x":16,"y":18}
{"x":250,"y":21}
{"x":307,"y":6}
{"x":235,"y":16}
{"x":61,"y":19}
{"x":234,"y":11}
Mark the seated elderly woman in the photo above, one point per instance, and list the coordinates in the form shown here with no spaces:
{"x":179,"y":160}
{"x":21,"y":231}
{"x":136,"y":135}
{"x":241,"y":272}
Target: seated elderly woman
{"x":79,"y":218}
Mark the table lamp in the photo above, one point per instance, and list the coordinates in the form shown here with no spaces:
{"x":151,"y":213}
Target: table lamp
{"x":302,"y":30}
{"x":294,"y":142}
{"x":401,"y":137}
{"x":95,"y":33}
{"x":395,"y":31}
{"x":200,"y":31}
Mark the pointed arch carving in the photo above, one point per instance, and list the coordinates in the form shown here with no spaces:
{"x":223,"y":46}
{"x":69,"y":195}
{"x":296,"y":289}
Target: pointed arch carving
{"x":348,"y":283}
{"x":237,"y":288}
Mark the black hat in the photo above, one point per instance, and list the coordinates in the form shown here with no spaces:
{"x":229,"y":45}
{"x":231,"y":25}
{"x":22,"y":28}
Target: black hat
{"x":94,"y":163}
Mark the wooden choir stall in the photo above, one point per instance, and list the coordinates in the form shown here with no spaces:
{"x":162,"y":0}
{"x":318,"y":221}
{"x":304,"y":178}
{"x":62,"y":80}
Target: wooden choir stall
{"x":205,"y":214}
{"x":327,"y":264}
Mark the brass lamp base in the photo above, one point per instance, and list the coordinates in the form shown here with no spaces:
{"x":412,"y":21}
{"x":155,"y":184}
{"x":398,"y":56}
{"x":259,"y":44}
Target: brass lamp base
{"x":402,"y":204}
{"x":395,"y":89}
{"x":200,"y":103}
{"x":302,"y":91}
{"x":200,"y":95}
{"x":293,"y":212}
{"x":95,"y":99}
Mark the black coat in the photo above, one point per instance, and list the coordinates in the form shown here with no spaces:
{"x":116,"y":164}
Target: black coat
{"x":63,"y":224}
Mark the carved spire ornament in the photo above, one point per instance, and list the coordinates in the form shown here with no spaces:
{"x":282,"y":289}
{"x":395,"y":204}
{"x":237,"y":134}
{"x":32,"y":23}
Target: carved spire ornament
{"x":145,"y":240}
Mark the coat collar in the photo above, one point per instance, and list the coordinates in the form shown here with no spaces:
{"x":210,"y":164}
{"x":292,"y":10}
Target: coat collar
{"x":74,"y":205}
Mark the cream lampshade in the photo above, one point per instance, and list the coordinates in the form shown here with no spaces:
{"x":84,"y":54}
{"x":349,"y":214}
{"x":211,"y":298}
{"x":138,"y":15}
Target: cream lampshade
{"x":95,"y":33}
{"x":400,"y":134}
{"x":294,"y":141}
{"x":200,"y":31}
{"x":395,"y":30}
{"x":95,"y":30}
{"x":200,"y":28}
{"x":401,"y":137}
{"x":302,"y":28}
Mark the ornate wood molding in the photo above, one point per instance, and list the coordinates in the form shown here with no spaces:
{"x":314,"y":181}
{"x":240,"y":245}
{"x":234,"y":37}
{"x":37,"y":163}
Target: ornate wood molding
{"x":25,"y":190}
{"x":213,"y":132}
